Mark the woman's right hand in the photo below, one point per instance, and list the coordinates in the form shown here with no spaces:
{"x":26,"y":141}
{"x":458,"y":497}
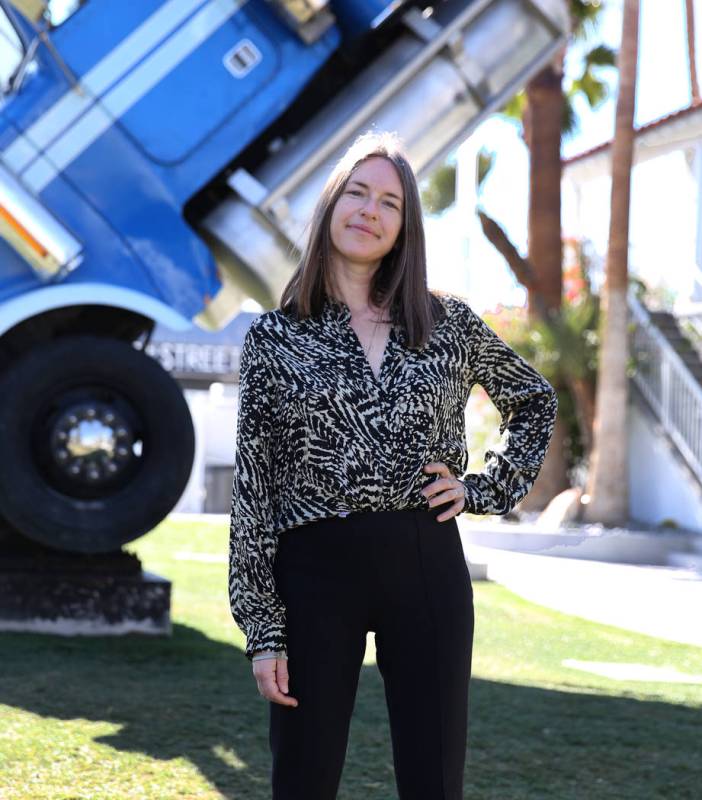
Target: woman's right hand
{"x":272,"y":680}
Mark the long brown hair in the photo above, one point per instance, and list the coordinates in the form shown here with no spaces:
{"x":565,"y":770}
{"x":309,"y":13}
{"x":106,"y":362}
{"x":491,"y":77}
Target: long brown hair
{"x":400,"y":282}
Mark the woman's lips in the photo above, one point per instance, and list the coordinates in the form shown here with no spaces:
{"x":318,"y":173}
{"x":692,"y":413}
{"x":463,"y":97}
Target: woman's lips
{"x":363,"y":230}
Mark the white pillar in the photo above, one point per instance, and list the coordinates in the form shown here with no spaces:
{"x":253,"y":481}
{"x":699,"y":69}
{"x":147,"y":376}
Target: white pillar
{"x":192,"y":499}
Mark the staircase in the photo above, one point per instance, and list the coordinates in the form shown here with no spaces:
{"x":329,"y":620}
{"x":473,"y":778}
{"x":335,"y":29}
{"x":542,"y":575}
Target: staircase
{"x":669,"y":376}
{"x":668,"y":325}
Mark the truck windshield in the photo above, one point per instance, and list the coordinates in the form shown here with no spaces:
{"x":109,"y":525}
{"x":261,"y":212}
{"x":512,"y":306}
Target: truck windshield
{"x":10,"y":50}
{"x":59,"y":11}
{"x":14,"y":61}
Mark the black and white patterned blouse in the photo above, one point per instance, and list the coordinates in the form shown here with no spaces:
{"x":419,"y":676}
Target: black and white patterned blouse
{"x":319,"y":435}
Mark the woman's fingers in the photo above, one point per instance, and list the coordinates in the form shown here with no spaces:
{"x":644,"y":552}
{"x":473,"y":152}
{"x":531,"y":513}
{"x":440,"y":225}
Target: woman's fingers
{"x":451,"y":512}
{"x":440,"y":485}
{"x":453,"y":494}
{"x":269,"y":675}
{"x":437,"y":466}
{"x":444,"y":489}
{"x":282,"y":676}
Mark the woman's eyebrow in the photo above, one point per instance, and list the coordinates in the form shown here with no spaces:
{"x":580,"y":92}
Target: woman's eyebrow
{"x":365,"y":186}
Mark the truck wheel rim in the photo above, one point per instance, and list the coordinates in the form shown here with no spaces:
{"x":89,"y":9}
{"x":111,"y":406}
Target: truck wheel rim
{"x":88,"y":442}
{"x":92,"y":443}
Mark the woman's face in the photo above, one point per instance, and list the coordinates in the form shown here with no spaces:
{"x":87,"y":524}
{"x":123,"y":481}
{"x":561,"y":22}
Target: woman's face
{"x":367,"y":217}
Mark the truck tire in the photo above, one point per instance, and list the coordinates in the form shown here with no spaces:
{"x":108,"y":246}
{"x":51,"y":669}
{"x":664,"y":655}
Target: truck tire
{"x":97,"y":444}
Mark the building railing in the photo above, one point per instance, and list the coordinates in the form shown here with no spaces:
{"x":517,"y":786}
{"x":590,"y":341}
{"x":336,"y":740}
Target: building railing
{"x":667,"y":384}
{"x":690,"y":319}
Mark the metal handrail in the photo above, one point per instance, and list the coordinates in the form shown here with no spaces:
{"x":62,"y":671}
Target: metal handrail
{"x":668,"y":385}
{"x":693,"y":318}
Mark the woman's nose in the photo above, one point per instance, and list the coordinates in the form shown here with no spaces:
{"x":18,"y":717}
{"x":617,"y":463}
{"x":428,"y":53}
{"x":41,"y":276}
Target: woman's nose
{"x":370,"y":207}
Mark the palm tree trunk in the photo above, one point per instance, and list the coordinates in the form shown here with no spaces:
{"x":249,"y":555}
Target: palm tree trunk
{"x":543,"y":123}
{"x":583,"y":391}
{"x":691,"y":52}
{"x":608,"y":479}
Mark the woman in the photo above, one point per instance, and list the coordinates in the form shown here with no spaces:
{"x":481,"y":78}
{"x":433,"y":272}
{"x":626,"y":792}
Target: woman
{"x":350,"y":447}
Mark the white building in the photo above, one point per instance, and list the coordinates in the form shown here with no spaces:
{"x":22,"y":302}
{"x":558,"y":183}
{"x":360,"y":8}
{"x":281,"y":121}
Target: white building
{"x":666,"y":212}
{"x":665,"y":420}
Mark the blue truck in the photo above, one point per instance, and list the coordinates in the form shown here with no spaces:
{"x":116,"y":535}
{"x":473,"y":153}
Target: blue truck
{"x":158,"y":162}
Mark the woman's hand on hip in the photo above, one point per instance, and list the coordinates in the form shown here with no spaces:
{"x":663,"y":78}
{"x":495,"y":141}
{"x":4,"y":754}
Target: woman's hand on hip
{"x":272,"y":680}
{"x":445,"y":489}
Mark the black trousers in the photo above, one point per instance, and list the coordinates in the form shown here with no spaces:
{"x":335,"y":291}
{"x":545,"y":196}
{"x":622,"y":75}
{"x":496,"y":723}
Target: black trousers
{"x":401,"y":574}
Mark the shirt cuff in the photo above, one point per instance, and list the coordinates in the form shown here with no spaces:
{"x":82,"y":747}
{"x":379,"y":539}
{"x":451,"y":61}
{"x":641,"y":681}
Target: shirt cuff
{"x":270,"y":653}
{"x":479,"y":496}
{"x":266,"y":635}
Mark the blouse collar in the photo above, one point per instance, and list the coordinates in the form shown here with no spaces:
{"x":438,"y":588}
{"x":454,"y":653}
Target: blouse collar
{"x":335,"y":309}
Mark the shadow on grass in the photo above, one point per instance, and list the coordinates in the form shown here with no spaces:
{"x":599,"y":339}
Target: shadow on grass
{"x":194,"y":697}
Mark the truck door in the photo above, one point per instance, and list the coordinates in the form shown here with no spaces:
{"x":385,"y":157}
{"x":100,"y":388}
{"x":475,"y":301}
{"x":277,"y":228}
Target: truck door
{"x":185,"y":64}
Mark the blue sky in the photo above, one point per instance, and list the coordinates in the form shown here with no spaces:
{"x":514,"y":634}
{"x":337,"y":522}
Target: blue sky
{"x":473,"y":267}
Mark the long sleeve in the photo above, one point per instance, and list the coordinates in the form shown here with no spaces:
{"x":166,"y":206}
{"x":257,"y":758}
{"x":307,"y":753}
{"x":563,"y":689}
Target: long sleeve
{"x":527,"y":403}
{"x":255,"y":604}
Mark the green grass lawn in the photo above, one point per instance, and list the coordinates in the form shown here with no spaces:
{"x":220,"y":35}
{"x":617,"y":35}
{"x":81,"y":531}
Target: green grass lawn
{"x":179,"y":717}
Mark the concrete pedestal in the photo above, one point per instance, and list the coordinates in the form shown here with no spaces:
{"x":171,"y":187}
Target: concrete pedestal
{"x":45,"y":591}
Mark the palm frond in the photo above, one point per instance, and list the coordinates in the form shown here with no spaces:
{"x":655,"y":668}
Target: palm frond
{"x":438,"y":191}
{"x":585,"y":17}
{"x":595,"y":90}
{"x":601,"y":56}
{"x":514,"y":107}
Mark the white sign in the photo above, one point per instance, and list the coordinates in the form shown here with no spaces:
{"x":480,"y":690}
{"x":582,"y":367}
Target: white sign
{"x":197,"y":359}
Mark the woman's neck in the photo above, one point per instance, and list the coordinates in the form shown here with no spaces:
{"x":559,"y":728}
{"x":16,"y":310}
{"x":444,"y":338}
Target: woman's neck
{"x":351,"y":283}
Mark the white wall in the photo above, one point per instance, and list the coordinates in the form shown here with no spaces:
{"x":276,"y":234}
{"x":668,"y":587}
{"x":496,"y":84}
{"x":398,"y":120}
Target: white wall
{"x":660,"y":487}
{"x":663,"y":225}
{"x":193,"y":496}
{"x":214,"y":420}
{"x":220,"y":427}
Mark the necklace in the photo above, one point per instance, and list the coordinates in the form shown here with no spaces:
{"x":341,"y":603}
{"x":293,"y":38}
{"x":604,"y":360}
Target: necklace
{"x":370,"y":346}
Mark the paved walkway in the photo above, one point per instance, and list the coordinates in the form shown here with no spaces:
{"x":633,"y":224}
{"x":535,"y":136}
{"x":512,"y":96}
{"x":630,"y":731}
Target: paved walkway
{"x":665,"y":602}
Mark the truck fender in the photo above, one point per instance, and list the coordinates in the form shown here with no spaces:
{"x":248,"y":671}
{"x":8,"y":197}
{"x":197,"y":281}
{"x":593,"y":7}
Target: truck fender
{"x":47,"y":298}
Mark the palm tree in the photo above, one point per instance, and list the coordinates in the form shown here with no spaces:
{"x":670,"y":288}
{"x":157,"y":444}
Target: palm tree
{"x":691,"y":52}
{"x":607,"y":492}
{"x":547,"y":113}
